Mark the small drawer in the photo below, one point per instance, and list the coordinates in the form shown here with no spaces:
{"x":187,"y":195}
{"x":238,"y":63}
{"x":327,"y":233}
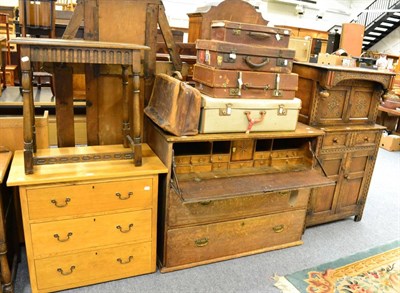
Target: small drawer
{"x":183,"y":214}
{"x":334,"y":140}
{"x":56,"y":273}
{"x":72,"y":200}
{"x":200,"y":159}
{"x":291,"y":162}
{"x":185,"y":169}
{"x":261,"y":155}
{"x":262,"y":163}
{"x":89,"y":232}
{"x":220,"y":166}
{"x":240,"y":165}
{"x":220,"y":158}
{"x":229,"y":238}
{"x":182,"y":160}
{"x":282,"y":154}
{"x":367,"y":138}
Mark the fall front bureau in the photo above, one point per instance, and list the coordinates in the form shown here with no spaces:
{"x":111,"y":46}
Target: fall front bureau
{"x":89,"y":222}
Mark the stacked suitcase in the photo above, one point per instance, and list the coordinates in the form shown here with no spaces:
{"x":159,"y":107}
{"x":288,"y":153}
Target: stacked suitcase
{"x":244,"y":75}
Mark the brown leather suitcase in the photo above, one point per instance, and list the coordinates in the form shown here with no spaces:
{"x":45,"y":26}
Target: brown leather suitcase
{"x":247,"y":33}
{"x":226,"y":55}
{"x":219,"y":83}
{"x":174,"y":106}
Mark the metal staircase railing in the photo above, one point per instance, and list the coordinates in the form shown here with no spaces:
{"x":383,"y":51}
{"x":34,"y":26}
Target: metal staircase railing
{"x":379,"y":20}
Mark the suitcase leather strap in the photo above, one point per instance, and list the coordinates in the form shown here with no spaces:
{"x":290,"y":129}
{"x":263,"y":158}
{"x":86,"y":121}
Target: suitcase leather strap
{"x":248,"y":61}
{"x":253,"y":121}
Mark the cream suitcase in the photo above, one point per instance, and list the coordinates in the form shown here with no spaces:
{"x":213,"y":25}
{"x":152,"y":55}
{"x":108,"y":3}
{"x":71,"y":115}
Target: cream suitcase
{"x":247,"y":115}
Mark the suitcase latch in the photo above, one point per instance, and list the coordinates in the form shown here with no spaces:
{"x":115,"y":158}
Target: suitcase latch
{"x":236,"y":32}
{"x":227,"y":111}
{"x":229,"y":58}
{"x":277,"y":92}
{"x":282,"y":62}
{"x":282,"y":111}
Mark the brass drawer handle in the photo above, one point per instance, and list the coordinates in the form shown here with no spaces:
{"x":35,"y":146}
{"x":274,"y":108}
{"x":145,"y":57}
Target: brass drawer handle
{"x":119,"y":195}
{"x":124,"y":231}
{"x":71,"y":269}
{"x":346,"y":176}
{"x":63,"y":240}
{"x":366,"y":139}
{"x":324,"y":94}
{"x":278,"y":228}
{"x":67,"y":200}
{"x":201,"y":242}
{"x":130,"y":258}
{"x":335,"y":140}
{"x":283,"y":193}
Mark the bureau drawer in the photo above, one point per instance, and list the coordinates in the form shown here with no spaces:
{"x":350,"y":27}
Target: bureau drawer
{"x":240,"y":165}
{"x":207,"y":242}
{"x":184,"y":169}
{"x":71,"y":235}
{"x":335,"y":140}
{"x":94,"y":266}
{"x":72,"y":200}
{"x":367,"y":138}
{"x":220,"y":158}
{"x":180,"y":214}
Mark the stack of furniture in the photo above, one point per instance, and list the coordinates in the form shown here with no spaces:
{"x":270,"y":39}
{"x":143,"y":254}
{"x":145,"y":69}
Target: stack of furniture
{"x":233,"y":194}
{"x":343,"y":102}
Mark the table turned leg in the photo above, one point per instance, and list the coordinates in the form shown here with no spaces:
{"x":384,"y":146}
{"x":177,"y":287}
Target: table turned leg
{"x":137,"y":147}
{"x":126,"y":127}
{"x":28,"y":112}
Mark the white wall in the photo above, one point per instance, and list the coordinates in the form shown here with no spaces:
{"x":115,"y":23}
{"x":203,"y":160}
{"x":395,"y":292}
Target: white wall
{"x":9,"y":3}
{"x":390,"y":44}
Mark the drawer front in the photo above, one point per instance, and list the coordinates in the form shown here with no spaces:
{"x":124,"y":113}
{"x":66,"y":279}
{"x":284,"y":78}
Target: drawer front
{"x":220,"y":166}
{"x":207,"y":242}
{"x":335,"y":140}
{"x":220,"y":158}
{"x":262,"y":163}
{"x":72,"y":200}
{"x":184,"y":169}
{"x":200,"y":159}
{"x":262,"y":155}
{"x":182,"y":160}
{"x":94,"y":266}
{"x":367,"y":138}
{"x":240,"y":165}
{"x":180,"y":214}
{"x":69,"y":235}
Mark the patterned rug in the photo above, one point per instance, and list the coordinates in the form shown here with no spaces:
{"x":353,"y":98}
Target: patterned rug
{"x":374,"y":271}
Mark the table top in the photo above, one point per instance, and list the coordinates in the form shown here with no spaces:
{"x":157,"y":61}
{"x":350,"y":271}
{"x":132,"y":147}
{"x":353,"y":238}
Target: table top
{"x":5,"y":159}
{"x":84,"y":171}
{"x":390,"y":111}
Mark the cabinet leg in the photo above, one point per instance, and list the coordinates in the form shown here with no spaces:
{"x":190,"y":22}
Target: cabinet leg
{"x":358,"y":218}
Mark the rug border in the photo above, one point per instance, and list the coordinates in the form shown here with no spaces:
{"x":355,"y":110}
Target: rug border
{"x":297,"y":278}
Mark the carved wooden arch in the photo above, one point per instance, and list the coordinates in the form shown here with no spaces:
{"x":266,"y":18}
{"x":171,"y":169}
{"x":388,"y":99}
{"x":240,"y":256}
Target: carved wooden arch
{"x":233,"y":10}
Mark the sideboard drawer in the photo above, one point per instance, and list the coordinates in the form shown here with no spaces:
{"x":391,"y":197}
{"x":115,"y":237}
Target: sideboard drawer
{"x":367,"y":138}
{"x":201,"y":243}
{"x":88,"y":267}
{"x":181,"y":214}
{"x":335,"y":140}
{"x":72,"y":200}
{"x":82,"y":233}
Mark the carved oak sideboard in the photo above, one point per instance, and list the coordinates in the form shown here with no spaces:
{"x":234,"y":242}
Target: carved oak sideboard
{"x":343,"y":102}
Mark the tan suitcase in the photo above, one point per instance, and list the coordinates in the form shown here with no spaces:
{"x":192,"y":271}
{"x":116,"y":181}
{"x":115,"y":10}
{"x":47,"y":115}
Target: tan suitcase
{"x":246,"y":115}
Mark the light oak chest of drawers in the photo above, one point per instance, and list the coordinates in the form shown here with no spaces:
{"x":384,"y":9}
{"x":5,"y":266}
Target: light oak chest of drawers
{"x":86,"y":223}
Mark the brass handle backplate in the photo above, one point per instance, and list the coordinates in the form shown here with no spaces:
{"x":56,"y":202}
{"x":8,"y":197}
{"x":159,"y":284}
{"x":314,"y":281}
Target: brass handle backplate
{"x":278,"y":228}
{"x":67,"y":200}
{"x":124,"y":231}
{"x":130,"y":258}
{"x":71,"y":269}
{"x":201,"y":242}
{"x":65,"y":239}
{"x":119,"y":195}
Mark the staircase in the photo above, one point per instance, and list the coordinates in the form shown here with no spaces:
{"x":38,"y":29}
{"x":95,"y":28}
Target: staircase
{"x":379,"y":21}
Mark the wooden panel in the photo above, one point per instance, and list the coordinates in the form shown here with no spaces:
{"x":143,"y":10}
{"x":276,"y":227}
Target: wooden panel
{"x":134,"y":194}
{"x":351,"y":38}
{"x":92,"y":266}
{"x":200,"y":243}
{"x":242,"y":150}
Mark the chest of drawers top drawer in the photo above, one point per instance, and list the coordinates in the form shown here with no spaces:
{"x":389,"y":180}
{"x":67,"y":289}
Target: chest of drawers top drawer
{"x":72,"y":200}
{"x":335,"y":140}
{"x":367,"y":138}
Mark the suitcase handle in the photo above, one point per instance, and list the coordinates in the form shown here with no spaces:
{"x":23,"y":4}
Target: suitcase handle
{"x":258,"y":35}
{"x":256,"y":65}
{"x":260,"y":87}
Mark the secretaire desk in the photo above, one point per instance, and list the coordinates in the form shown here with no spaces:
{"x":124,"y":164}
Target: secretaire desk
{"x":77,"y":51}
